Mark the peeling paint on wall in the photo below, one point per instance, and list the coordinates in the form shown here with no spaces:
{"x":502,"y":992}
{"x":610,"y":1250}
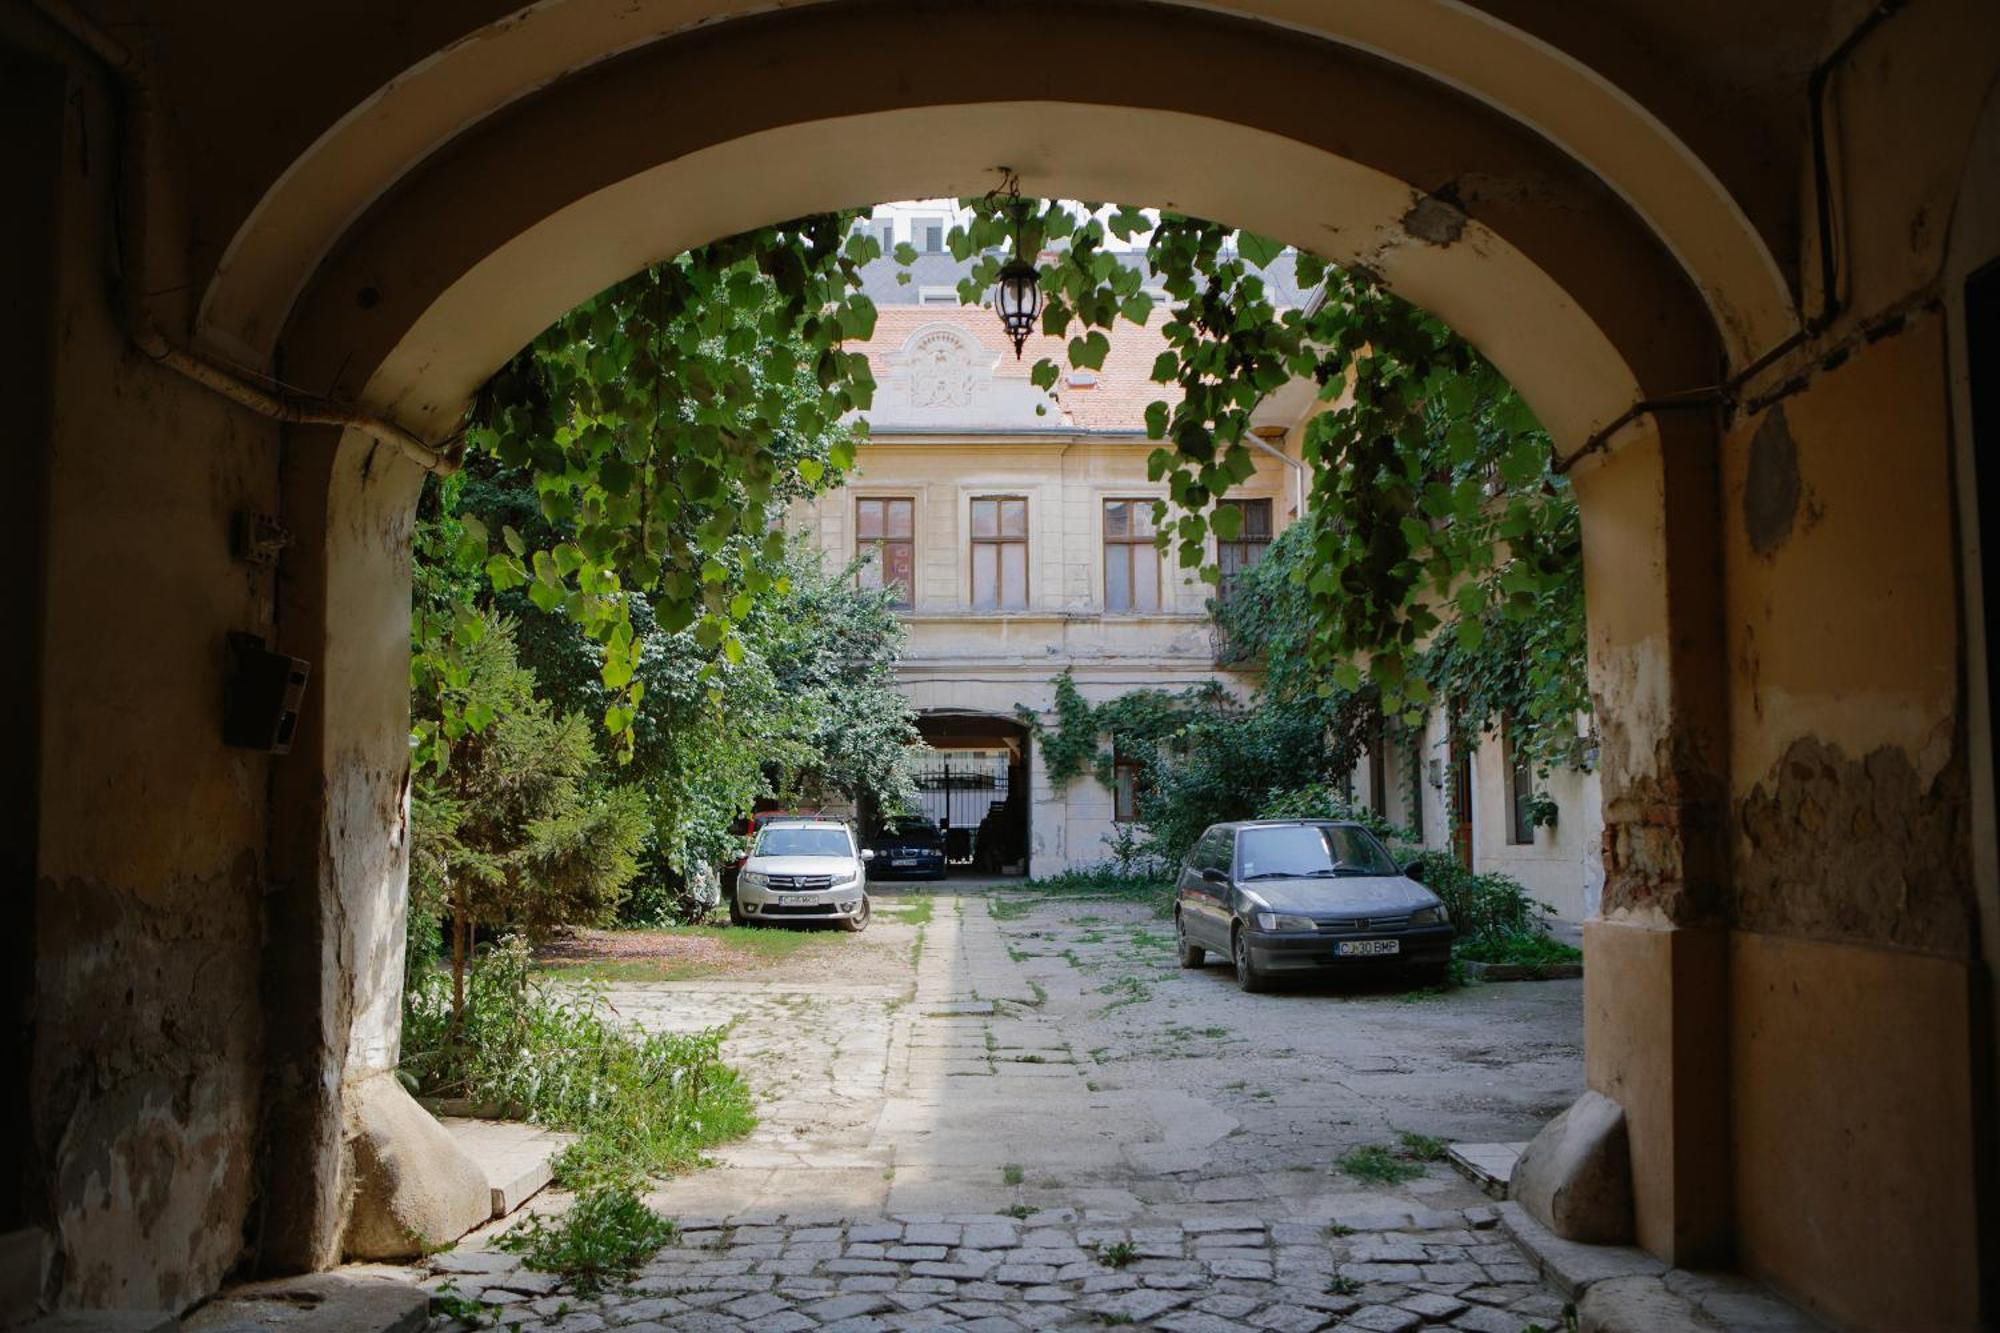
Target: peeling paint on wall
{"x":148,"y":1140}
{"x":1437,"y":218}
{"x":1771,"y":487}
{"x":1836,"y":847}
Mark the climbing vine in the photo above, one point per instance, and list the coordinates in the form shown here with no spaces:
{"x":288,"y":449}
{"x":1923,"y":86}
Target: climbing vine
{"x":665,"y":423}
{"x":1439,"y":555}
{"x":669,"y":420}
{"x":1089,"y":738}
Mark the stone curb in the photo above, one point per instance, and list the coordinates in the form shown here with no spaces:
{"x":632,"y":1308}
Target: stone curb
{"x":1522,"y":971}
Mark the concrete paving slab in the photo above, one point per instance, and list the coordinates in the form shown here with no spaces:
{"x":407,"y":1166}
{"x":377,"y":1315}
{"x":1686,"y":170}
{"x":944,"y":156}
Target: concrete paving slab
{"x":517,"y":1159}
{"x":1487,"y":1165}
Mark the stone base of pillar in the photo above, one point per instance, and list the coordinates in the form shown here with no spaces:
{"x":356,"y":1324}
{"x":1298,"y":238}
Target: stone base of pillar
{"x":1656,"y":1041}
{"x":414,"y":1187}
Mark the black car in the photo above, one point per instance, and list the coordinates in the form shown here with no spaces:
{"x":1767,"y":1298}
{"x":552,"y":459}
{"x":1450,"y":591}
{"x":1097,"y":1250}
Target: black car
{"x":907,"y":847}
{"x":1304,"y":895}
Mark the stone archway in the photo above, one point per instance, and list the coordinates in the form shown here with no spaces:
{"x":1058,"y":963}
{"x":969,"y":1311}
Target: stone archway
{"x":1565,"y":288}
{"x":383,"y":202}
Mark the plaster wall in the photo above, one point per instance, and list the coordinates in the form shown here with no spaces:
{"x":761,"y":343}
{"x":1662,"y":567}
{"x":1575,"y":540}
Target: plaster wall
{"x":1562,"y":867}
{"x":146,"y":1027}
{"x":1842,"y":1203}
{"x":1852,"y":849}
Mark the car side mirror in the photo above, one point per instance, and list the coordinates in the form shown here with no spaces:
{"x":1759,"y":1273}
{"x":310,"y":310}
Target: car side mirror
{"x":1414,"y":870}
{"x":868,"y":853}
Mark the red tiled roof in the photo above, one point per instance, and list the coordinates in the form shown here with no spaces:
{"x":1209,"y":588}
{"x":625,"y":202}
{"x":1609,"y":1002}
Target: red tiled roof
{"x":1116,"y":402}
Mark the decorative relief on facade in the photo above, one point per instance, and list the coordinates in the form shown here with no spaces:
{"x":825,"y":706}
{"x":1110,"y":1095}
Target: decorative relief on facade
{"x":944,"y":366}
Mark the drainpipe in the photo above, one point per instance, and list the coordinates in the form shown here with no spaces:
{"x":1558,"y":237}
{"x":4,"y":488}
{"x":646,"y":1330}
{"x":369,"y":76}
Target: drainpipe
{"x":1260,"y":437}
{"x":134,"y":215}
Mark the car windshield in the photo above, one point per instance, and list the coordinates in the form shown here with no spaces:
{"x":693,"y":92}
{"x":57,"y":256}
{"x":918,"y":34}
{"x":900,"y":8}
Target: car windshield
{"x":911,"y":830}
{"x":1293,"y":851}
{"x":803,"y":840}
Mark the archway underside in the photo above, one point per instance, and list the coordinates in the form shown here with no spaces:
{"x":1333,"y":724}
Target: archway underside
{"x":1532,"y":257}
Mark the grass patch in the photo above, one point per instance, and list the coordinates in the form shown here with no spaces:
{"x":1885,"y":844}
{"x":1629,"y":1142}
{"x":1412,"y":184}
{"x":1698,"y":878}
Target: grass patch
{"x":1011,"y":908}
{"x":603,"y":1239}
{"x":644,"y":1104}
{"x":1421,"y":1147}
{"x":1012,"y":1174}
{"x":1106,"y":883}
{"x":1525,"y":948}
{"x":913,"y":911}
{"x":739,"y":945}
{"x":1378,"y":1165}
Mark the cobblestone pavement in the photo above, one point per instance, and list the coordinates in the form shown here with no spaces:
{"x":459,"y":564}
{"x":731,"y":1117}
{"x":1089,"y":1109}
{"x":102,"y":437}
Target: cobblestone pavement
{"x":970,"y":1142}
{"x":1055,"y":1269}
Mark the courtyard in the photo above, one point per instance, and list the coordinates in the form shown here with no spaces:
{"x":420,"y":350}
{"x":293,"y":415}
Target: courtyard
{"x":996,"y":1110}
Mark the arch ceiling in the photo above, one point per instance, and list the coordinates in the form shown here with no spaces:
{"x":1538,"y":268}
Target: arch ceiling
{"x":515,"y":55}
{"x":556,"y":195}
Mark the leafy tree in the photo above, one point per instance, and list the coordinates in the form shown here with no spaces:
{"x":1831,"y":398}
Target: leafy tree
{"x":665,"y":423}
{"x":514,"y":832}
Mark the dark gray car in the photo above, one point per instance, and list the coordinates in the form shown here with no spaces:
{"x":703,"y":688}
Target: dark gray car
{"x":1303,"y":895}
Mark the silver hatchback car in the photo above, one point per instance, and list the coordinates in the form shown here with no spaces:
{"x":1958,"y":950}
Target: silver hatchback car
{"x":1305,"y":895}
{"x":802,"y":871}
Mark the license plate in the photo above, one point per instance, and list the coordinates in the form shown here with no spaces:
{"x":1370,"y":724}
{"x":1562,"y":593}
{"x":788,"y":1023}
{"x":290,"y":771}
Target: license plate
{"x":813,"y":900}
{"x":903,"y":861}
{"x":1367,"y":948}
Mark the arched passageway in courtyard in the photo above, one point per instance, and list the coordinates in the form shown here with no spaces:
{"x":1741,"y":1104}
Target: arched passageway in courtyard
{"x":1598,"y":235}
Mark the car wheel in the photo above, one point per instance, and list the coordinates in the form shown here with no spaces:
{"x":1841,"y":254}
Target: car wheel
{"x":1192,"y":955}
{"x":1247,"y":975}
{"x":736,"y":917}
{"x":857,"y":922}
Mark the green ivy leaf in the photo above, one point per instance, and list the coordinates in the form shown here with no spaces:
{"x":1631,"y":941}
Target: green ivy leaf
{"x":1259,"y":250}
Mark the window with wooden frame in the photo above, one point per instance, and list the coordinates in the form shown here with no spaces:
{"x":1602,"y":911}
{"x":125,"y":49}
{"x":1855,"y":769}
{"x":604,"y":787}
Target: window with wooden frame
{"x":1520,"y":789}
{"x":1127,"y":781}
{"x":885,"y":538}
{"x":1131,"y":560}
{"x":1253,"y":537}
{"x":999,"y":553}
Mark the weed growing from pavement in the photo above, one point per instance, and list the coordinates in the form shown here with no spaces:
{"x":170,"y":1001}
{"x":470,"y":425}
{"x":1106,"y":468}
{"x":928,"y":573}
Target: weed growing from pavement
{"x":1378,"y":1165}
{"x":448,"y":1303}
{"x":604,"y":1238}
{"x":1012,"y":1174}
{"x":1019,"y":1212}
{"x":1041,"y":995}
{"x":1341,"y":1286}
{"x":1338,"y":1229}
{"x":1118,"y":1254}
{"x":1011,"y":908}
{"x":1421,"y":1147}
{"x":1129,"y":990}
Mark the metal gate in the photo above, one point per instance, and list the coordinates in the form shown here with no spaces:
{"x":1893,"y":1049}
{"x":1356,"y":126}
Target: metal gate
{"x":960,"y":789}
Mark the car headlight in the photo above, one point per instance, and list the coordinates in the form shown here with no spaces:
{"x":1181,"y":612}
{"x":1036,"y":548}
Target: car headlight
{"x":1279,"y":921}
{"x":853,"y":878}
{"x":752,"y":879}
{"x":1430,"y":916}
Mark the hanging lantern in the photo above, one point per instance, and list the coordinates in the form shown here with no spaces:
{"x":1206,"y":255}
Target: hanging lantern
{"x":1017,"y":295}
{"x":1017,"y":292}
